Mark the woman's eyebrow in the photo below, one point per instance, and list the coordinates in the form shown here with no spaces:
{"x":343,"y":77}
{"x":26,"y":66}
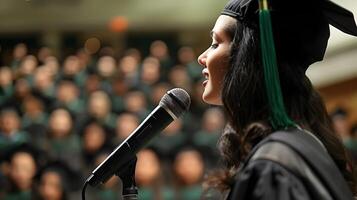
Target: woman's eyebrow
{"x":211,"y":33}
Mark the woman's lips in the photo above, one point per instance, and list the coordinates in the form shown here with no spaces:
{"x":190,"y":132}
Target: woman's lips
{"x":205,"y":83}
{"x":205,"y":75}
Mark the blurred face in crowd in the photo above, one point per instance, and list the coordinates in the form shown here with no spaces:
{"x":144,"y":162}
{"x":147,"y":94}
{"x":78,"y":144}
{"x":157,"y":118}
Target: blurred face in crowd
{"x":5,"y":76}
{"x":178,"y":77}
{"x":135,"y":53}
{"x":44,"y":53}
{"x":10,"y":122}
{"x":135,"y":101}
{"x":119,"y":86}
{"x":67,"y":92}
{"x":22,"y":88}
{"x":150,"y":72}
{"x":106,"y":66}
{"x":189,"y":167}
{"x":42,"y":78}
{"x":51,"y":186}
{"x":213,"y":120}
{"x":173,"y":128}
{"x":71,"y":66}
{"x":128,"y":65}
{"x":215,"y":60}
{"x":147,"y":167}
{"x":126,"y":124}
{"x":93,"y":138}
{"x":60,"y":123}
{"x":99,"y":104}
{"x":158,"y":92}
{"x":186,"y":55}
{"x":52,"y":65}
{"x":22,"y":170}
{"x":159,"y":49}
{"x":84,"y":57}
{"x":20,"y":51}
{"x":33,"y":106}
{"x":28,"y":65}
{"x":92,"y":83}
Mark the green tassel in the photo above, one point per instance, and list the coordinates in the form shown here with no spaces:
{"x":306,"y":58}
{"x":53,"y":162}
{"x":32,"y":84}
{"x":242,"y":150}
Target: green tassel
{"x":278,"y":116}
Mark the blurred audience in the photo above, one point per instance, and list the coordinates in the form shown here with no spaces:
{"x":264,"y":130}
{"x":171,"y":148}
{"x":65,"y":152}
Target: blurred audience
{"x":76,"y":109}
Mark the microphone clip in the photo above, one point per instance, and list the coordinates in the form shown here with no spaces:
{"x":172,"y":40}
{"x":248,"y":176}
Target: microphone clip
{"x":127,"y":176}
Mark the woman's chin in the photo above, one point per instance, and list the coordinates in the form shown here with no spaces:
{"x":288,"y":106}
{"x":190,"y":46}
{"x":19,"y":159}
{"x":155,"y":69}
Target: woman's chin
{"x":211,"y":99}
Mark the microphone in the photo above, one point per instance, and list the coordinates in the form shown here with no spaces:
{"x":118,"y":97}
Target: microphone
{"x":172,"y":105}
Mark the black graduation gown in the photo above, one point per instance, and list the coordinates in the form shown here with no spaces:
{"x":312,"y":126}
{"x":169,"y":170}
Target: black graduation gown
{"x":267,"y":180}
{"x":277,"y":171}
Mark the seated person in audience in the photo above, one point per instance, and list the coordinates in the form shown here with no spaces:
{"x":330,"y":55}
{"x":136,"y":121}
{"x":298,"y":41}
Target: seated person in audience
{"x":33,"y":112}
{"x":159,"y":50}
{"x":68,"y":96}
{"x":106,"y":68}
{"x":129,"y":67}
{"x":126,"y":123}
{"x":149,"y":74}
{"x":186,"y":56}
{"x":94,"y":140}
{"x":19,"y":53}
{"x":63,"y":143}
{"x":21,"y":163}
{"x":34,"y":120}
{"x":100,"y":109}
{"x":149,"y":179}
{"x":135,"y":101}
{"x":179,"y":77}
{"x":56,"y":181}
{"x":52,"y":65}
{"x":119,"y":88}
{"x":6,"y":85}
{"x":43,"y":53}
{"x":207,"y":137}
{"x":27,"y":68}
{"x":10,"y":130}
{"x":22,"y":90}
{"x":188,"y":169}
{"x":158,"y":91}
{"x":44,"y":82}
{"x":74,"y":70}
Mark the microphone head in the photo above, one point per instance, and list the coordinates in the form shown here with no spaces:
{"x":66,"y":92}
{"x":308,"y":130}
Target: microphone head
{"x":177,"y":101}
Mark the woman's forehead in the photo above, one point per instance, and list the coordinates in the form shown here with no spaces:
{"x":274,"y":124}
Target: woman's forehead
{"x":223,"y":23}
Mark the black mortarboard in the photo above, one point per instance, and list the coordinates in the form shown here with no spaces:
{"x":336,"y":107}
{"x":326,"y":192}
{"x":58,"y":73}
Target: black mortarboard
{"x":301,"y":26}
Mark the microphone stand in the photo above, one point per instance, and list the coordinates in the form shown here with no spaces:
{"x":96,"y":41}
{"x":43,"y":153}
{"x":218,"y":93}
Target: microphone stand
{"x":127,"y":176}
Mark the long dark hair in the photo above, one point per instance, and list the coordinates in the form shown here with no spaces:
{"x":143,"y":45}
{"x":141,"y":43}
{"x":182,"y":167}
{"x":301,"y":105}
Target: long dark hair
{"x":245,"y":103}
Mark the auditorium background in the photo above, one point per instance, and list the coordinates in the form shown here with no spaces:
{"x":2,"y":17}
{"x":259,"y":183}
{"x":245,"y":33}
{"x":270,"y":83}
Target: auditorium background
{"x":78,"y":76}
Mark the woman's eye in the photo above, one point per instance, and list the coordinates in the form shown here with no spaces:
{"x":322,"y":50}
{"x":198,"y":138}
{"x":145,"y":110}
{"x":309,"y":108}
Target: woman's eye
{"x":213,"y":46}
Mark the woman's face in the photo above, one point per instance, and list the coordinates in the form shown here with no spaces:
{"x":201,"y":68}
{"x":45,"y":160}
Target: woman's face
{"x":215,"y":60}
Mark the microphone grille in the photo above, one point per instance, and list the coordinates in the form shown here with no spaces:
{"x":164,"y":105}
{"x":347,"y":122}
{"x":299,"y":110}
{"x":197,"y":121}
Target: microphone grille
{"x":177,"y":100}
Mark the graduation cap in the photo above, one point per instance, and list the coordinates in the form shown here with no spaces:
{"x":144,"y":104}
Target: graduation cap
{"x":301,"y":30}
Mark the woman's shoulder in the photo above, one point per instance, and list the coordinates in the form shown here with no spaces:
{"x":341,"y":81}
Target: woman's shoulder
{"x":275,"y":171}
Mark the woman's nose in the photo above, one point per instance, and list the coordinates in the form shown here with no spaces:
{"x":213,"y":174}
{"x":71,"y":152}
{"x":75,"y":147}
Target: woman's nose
{"x":202,"y":59}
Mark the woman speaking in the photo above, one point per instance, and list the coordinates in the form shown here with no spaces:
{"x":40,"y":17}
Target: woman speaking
{"x":279,"y":142}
